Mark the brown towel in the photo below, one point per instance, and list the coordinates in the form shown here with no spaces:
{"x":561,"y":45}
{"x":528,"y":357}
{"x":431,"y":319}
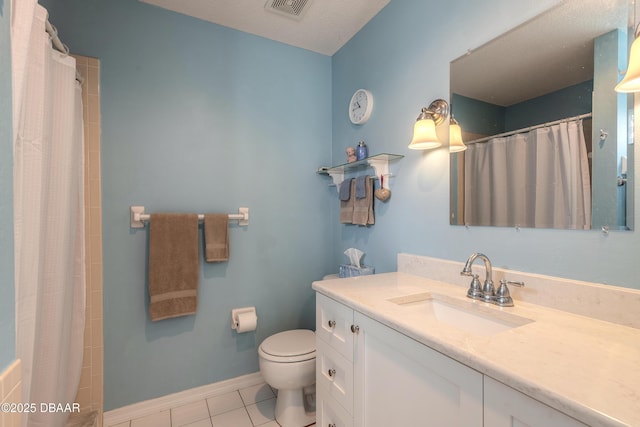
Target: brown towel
{"x":216,"y":237}
{"x":173,"y":265}
{"x":363,"y":208}
{"x":346,"y":206}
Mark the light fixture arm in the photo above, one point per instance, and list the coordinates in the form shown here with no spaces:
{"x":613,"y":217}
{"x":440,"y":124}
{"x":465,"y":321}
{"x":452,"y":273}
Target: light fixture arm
{"x":438,"y":110}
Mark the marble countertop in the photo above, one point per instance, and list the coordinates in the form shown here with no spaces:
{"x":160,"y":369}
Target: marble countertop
{"x":587,"y":368}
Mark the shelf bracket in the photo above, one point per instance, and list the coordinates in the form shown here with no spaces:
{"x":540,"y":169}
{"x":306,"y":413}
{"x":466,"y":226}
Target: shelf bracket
{"x":381,"y":168}
{"x":337,"y":178}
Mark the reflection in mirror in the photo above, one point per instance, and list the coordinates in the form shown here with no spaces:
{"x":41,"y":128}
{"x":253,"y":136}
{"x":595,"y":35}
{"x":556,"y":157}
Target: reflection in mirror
{"x":549,"y":140}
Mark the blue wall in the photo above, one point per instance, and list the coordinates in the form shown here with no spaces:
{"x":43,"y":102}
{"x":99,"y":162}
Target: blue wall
{"x":608,"y":109}
{"x":7,"y":313}
{"x":567,"y":102}
{"x":489,"y":119}
{"x":201,"y":118}
{"x":396,"y":57}
{"x":479,"y":117}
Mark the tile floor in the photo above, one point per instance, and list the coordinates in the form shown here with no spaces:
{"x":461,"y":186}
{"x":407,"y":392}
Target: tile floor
{"x":248,"y":407}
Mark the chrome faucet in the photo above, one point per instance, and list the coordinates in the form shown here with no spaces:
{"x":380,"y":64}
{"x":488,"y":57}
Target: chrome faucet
{"x":487,"y":292}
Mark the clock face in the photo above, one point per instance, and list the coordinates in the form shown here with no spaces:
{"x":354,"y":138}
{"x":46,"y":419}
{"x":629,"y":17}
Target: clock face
{"x":360,"y":106}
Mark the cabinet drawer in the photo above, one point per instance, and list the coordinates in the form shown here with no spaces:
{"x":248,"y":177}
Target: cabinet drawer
{"x":334,"y":374}
{"x":329,"y":413}
{"x":333,"y":325}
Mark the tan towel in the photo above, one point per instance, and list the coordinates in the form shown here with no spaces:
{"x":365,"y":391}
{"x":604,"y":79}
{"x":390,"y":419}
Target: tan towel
{"x":173,"y":265}
{"x":216,"y":237}
{"x":363,"y":208}
{"x":346,"y":207}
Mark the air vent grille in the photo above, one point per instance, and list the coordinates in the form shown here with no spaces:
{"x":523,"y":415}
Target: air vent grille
{"x":291,"y":8}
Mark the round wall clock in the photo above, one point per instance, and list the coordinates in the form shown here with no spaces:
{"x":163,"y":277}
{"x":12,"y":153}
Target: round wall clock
{"x":360,"y":106}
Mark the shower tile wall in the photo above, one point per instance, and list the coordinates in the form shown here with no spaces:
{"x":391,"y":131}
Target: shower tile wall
{"x":10,"y":386}
{"x":90,"y":392}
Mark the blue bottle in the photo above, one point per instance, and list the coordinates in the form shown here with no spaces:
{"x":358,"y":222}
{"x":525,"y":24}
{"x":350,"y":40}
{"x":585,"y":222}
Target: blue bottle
{"x":362,"y":152}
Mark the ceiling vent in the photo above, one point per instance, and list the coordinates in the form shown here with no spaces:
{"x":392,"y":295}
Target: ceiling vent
{"x":290,"y":8}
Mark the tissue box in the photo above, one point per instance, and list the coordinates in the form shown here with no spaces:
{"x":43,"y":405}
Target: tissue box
{"x":352,"y":271}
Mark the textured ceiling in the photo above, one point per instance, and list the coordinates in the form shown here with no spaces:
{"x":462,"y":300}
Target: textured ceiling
{"x":324,"y":27}
{"x":550,"y":52}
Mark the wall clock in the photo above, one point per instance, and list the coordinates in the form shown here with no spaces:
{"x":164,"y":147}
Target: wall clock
{"x":360,"y":107}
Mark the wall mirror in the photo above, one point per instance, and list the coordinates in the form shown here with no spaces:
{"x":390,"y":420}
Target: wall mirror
{"x":549,"y":141}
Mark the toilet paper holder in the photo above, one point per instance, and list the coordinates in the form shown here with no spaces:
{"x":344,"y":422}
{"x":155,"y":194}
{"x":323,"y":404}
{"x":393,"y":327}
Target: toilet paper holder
{"x":236,"y":312}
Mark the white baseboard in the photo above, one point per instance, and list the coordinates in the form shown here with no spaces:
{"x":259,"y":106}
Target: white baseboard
{"x":148,"y":407}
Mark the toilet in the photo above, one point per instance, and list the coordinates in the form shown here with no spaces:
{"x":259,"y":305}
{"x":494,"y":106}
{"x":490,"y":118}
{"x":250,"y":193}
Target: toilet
{"x":288,"y":364}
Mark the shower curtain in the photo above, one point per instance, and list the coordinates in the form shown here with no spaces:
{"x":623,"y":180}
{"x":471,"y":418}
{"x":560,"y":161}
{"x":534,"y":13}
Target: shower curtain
{"x":49,"y":226}
{"x":535,"y":179}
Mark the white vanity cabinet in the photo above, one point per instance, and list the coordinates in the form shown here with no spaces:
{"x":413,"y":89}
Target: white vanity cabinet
{"x":371,"y":375}
{"x":506,"y":407}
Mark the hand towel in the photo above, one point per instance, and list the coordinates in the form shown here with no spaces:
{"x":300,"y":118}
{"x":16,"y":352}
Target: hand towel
{"x":363,"y":208}
{"x":173,"y":265}
{"x":344,"y":191}
{"x":361,"y":191}
{"x":346,"y":206}
{"x":216,"y":237}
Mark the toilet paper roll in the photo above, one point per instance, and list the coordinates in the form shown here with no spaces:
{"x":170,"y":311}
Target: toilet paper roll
{"x":247,"y":321}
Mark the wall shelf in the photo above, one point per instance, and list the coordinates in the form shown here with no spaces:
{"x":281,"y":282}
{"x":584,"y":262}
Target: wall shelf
{"x":379,"y":162}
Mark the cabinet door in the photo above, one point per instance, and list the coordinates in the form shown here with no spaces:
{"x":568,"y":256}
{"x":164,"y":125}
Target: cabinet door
{"x":400,"y":382}
{"x":506,"y":407}
{"x":333,"y":325}
{"x":329,"y":413}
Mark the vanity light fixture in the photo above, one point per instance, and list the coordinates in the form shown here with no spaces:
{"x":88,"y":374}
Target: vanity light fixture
{"x":455,"y":137}
{"x":424,"y":131}
{"x":631,"y":81}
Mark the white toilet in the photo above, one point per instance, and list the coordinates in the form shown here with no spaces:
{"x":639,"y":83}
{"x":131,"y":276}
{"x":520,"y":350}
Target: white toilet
{"x":288,"y":364}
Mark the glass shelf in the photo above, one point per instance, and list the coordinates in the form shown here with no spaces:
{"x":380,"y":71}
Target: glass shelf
{"x":379,"y":162}
{"x":361,"y":164}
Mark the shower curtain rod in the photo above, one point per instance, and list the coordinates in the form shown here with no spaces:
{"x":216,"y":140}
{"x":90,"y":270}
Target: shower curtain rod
{"x":55,"y":40}
{"x":530,"y":128}
{"x":58,"y":45}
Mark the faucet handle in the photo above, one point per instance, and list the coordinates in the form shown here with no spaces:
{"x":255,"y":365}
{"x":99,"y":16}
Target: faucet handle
{"x":475,"y":289}
{"x":503,"y":297}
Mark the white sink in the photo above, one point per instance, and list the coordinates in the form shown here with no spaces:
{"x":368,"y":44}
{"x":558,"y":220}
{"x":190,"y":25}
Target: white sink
{"x":473,"y":317}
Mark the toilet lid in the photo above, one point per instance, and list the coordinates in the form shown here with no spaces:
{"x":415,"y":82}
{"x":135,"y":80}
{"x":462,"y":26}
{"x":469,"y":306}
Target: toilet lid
{"x":297,"y":342}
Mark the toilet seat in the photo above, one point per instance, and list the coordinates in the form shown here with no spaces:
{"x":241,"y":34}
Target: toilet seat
{"x":289,"y":346}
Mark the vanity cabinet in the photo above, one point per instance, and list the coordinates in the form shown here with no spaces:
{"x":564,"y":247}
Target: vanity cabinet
{"x":368,"y":374}
{"x":506,"y":407}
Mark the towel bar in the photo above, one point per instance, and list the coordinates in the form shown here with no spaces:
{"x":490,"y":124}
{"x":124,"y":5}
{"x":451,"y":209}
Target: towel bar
{"x":138,"y":217}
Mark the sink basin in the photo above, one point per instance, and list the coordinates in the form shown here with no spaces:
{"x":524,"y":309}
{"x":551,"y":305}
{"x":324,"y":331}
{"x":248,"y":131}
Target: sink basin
{"x":469,"y":316}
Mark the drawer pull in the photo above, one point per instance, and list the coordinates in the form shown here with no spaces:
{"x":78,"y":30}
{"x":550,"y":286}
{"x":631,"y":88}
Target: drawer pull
{"x":332,"y":323}
{"x":355,"y":329}
{"x":331,"y":373}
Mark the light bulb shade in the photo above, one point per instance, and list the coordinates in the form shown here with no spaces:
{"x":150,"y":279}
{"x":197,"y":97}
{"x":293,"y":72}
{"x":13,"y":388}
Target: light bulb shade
{"x":631,"y":80}
{"x":424,"y":135}
{"x":455,"y":138}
